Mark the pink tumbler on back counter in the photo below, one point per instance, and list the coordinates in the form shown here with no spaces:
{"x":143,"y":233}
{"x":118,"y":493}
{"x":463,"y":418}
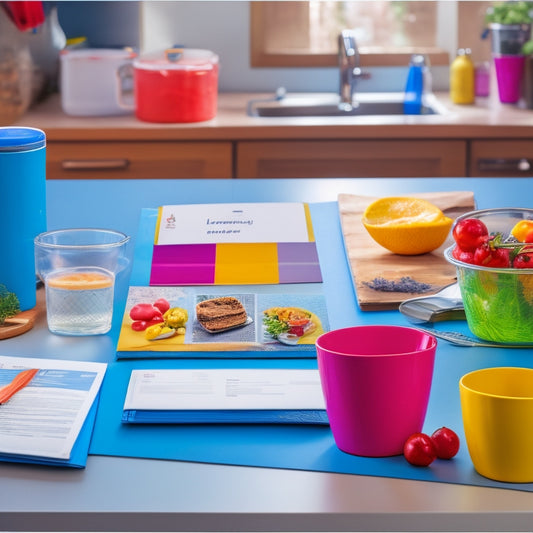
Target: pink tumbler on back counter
{"x":509,"y":74}
{"x":22,"y":208}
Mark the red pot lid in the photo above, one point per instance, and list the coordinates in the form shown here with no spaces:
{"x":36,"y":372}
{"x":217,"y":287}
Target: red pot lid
{"x":177,"y":59}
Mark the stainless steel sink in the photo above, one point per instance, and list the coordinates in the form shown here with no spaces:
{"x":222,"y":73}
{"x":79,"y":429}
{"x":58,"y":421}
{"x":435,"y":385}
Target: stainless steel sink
{"x":327,"y":105}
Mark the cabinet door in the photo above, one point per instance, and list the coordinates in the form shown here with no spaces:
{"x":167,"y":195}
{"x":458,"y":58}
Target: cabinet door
{"x":354,"y":158}
{"x":501,"y":158}
{"x":132,"y":160}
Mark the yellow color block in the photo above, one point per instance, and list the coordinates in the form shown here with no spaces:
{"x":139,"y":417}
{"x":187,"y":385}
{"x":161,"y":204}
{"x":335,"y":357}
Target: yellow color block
{"x":246,"y":263}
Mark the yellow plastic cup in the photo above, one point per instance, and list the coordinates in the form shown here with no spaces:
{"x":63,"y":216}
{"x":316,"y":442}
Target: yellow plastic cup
{"x":497,"y":408}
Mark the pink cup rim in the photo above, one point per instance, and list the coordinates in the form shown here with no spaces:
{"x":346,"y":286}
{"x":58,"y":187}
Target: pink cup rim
{"x":432,"y":345}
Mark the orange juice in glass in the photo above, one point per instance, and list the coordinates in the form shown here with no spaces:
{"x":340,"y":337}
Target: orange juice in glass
{"x":79,"y":301}
{"x":79,"y":267}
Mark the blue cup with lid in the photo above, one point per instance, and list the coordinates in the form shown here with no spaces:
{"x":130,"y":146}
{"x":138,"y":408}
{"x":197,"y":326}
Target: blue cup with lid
{"x":22,"y":208}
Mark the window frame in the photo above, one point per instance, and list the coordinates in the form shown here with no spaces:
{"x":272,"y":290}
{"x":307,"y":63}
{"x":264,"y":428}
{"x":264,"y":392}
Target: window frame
{"x":260,"y":57}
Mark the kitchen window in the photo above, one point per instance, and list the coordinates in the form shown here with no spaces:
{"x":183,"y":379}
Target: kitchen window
{"x":304,"y":34}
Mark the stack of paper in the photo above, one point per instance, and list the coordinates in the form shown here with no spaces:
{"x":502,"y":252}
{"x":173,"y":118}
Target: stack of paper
{"x":242,"y":395}
{"x":49,"y":417}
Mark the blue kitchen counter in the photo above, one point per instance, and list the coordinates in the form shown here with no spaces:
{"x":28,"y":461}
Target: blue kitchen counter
{"x":196,"y":485}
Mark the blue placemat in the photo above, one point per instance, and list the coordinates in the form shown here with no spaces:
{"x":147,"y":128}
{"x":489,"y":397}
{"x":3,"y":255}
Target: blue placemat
{"x":297,"y":447}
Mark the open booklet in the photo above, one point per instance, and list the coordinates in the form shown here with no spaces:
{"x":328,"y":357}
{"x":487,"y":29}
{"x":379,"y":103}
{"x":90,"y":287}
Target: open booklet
{"x":237,"y":395}
{"x":175,"y":321}
{"x":48,"y":409}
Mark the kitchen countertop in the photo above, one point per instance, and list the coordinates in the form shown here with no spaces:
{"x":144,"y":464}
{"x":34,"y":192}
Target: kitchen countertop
{"x":111,"y":493}
{"x":486,"y":119}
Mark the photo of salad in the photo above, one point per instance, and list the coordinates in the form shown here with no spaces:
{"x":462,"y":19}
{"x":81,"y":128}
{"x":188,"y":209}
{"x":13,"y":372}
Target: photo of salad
{"x":291,"y":325}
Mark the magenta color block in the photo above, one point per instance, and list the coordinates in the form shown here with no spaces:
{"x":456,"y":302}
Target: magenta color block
{"x":298,"y":263}
{"x":183,"y":264}
{"x":376,"y":382}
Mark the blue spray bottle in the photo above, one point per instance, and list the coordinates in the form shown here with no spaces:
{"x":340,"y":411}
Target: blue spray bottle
{"x":414,"y":88}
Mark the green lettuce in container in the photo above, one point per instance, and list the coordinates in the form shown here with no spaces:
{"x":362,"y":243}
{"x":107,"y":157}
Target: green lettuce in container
{"x":498,"y":302}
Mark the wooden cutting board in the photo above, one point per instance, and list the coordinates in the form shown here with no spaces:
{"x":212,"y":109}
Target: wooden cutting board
{"x":369,"y":261}
{"x":25,"y":320}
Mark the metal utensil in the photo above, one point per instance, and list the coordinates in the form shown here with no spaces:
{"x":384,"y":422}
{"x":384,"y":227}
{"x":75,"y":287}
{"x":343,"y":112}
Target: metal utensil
{"x":447,"y":304}
{"x":459,"y":339}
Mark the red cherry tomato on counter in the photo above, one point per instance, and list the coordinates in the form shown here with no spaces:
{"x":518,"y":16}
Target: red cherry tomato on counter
{"x":162,"y":304}
{"x":419,"y":450}
{"x":446,"y":443}
{"x":144,"y":312}
{"x":470,"y":233}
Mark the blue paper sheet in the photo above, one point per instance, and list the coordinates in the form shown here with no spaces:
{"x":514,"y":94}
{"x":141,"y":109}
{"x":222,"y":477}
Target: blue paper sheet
{"x":310,"y":447}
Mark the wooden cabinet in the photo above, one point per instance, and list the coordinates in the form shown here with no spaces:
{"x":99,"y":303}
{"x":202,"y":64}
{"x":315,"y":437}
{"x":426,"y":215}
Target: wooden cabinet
{"x":138,"y":159}
{"x":501,"y":158}
{"x":351,"y":158}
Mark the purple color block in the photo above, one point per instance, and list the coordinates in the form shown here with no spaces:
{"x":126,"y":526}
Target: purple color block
{"x":183,"y":264}
{"x":298,"y":263}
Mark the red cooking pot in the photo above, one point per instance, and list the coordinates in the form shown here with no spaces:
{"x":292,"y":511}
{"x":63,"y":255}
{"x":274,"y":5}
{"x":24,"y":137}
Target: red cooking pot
{"x":177,"y":85}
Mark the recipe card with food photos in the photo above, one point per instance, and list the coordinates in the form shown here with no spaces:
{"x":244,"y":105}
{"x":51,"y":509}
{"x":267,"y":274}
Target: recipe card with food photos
{"x":234,"y":244}
{"x":222,"y":321}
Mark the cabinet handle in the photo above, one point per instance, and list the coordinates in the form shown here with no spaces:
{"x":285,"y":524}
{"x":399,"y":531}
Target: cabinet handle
{"x":505,"y":165}
{"x":95,"y":164}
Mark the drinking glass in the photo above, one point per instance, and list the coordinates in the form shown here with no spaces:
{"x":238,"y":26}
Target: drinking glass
{"x":78,"y":268}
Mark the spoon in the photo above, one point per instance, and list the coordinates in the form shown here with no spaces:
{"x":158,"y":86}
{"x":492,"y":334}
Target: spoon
{"x":459,"y":339}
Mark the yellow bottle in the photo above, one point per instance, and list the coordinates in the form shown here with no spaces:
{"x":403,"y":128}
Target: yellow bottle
{"x":462,"y":87}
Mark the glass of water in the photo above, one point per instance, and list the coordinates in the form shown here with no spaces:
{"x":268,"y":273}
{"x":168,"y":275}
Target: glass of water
{"x":78,"y":268}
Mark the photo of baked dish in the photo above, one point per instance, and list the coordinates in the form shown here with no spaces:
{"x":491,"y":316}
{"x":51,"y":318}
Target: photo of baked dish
{"x":221,"y":314}
{"x":291,"y":325}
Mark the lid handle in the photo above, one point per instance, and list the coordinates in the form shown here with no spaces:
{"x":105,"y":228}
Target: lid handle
{"x":173,"y":54}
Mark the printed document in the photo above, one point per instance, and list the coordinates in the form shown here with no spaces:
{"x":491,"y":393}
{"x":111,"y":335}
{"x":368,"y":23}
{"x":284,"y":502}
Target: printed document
{"x":234,"y":223}
{"x":45,"y":417}
{"x":225,"y":389}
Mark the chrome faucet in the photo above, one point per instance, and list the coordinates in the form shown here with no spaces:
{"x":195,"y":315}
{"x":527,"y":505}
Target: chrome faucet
{"x":349,"y":69}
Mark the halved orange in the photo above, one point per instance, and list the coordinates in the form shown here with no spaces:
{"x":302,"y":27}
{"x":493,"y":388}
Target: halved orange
{"x":80,"y":280}
{"x":406,"y":226}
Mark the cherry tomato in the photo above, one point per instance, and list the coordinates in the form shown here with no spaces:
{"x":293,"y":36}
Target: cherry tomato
{"x":523,"y":231}
{"x":296,"y":330}
{"x":162,"y":304}
{"x":470,"y":233}
{"x":139,"y":325}
{"x":419,"y":450}
{"x":462,"y":255}
{"x":529,"y":236}
{"x":446,"y":443}
{"x":524,"y":260}
{"x":495,"y":258}
{"x":144,"y":311}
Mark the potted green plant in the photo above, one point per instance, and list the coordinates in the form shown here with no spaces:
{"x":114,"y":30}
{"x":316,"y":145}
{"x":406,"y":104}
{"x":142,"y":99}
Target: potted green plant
{"x":510,"y":26}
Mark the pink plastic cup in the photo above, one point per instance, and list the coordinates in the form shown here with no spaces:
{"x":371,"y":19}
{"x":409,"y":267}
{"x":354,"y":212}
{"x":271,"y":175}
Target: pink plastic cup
{"x":509,"y":73}
{"x":376,"y":382}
